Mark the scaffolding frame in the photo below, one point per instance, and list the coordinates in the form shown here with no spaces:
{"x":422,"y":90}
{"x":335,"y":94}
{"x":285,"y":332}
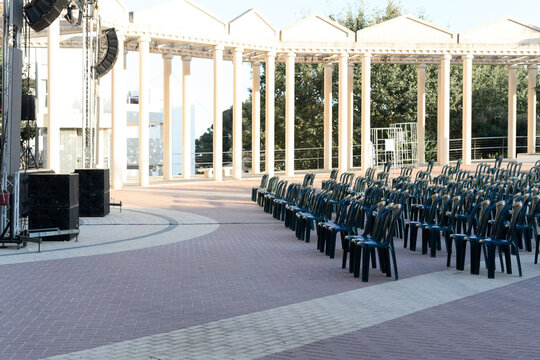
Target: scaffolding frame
{"x":397,"y":143}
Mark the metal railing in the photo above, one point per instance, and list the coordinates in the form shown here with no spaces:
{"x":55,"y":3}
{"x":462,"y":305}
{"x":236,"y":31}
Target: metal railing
{"x":313,"y":158}
{"x":481,"y":147}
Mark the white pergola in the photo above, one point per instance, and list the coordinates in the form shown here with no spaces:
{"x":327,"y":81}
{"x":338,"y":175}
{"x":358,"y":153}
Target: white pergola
{"x":182,"y":28}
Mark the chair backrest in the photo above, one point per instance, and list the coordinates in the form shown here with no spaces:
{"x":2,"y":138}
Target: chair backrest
{"x":516,"y":210}
{"x":333,"y":174}
{"x":264,"y":181}
{"x":272,"y":183}
{"x":343,"y":210}
{"x":377,"y":226}
{"x":390,"y":226}
{"x":498,"y":162}
{"x":280,"y":188}
{"x":292,"y":192}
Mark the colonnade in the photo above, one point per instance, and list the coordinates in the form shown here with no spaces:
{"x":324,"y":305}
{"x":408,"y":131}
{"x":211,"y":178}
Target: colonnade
{"x":345,"y":113}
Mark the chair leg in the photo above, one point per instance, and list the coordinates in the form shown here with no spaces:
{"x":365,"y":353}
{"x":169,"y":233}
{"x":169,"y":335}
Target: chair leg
{"x":491,"y":260}
{"x":394,"y":261}
{"x":476,"y":252}
{"x":508,"y":258}
{"x":461,"y":248}
{"x":352,"y":258}
{"x":536,"y":252}
{"x":517,"y":259}
{"x":527,"y":235}
{"x":365,"y":265}
{"x":406,"y":236}
{"x":448,"y":241}
{"x":358,"y":256}
{"x":345,"y":246}
{"x":425,"y":240}
{"x":373,"y":259}
{"x":414,"y":237}
{"x":308,"y":230}
{"x":433,"y":239}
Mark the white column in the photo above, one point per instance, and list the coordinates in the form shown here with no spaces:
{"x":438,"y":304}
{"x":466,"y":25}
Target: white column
{"x":467,"y":109}
{"x":256,"y":119}
{"x":328,"y":116}
{"x":218,"y":114}
{"x":350,"y":115}
{"x":512,"y":107}
{"x":421,"y":113}
{"x":289,"y":115}
{"x":53,"y":100}
{"x":367,"y":156}
{"x":186,"y":117}
{"x":270,"y":112}
{"x":119,"y":118}
{"x":445,"y":110}
{"x":237,"y":113}
{"x":144,"y":115}
{"x":439,"y":107}
{"x":531,"y":128}
{"x":167,"y":128}
{"x":343,"y":113}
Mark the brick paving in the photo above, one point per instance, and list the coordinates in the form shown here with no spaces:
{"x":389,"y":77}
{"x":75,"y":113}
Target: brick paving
{"x":249,"y":265}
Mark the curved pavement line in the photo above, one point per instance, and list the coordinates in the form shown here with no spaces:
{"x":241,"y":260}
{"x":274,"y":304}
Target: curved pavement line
{"x":100,"y":236}
{"x":272,"y":331}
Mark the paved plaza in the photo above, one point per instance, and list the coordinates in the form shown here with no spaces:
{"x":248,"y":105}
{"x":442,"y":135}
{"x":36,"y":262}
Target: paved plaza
{"x":198,"y":271}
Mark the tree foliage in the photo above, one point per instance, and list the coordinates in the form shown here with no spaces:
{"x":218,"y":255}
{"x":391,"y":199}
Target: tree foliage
{"x":393,"y":95}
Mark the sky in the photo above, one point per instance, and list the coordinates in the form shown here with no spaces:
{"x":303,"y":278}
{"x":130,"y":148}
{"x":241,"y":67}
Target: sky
{"x":456,"y":15}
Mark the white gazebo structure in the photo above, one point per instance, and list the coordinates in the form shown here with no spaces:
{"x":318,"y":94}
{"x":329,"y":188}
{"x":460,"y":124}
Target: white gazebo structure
{"x":181,"y":28}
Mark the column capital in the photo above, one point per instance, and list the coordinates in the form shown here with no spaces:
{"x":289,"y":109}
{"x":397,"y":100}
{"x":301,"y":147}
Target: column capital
{"x":468,"y":56}
{"x":446,"y":57}
{"x":351,"y":64}
{"x":366,"y":55}
{"x":291,"y":55}
{"x":343,"y":55}
{"x":421,"y":66}
{"x":168,"y":56}
{"x":328,"y":65}
{"x":219,"y":47}
{"x":144,"y":39}
{"x":513,"y":66}
{"x":238,"y":50}
{"x":186,"y":58}
{"x":256,"y":64}
{"x":271,"y":54}
{"x":532,"y":66}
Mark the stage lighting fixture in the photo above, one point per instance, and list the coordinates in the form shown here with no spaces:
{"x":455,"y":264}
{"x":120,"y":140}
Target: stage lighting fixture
{"x":108,"y":52}
{"x":41,"y":13}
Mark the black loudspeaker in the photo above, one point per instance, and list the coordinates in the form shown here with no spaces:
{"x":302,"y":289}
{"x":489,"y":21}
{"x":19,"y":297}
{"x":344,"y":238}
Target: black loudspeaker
{"x":108,"y":59}
{"x":53,"y":202}
{"x":53,"y":190}
{"x":41,"y":13}
{"x":28,"y":107}
{"x":94,"y":196}
{"x":24,"y":186}
{"x":64,"y":218}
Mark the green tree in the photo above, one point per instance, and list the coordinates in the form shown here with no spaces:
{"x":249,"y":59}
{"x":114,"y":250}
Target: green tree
{"x":393,"y":97}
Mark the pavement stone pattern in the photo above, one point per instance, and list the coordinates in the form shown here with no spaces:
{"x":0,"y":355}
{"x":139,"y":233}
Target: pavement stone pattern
{"x":248,"y":269}
{"x":133,"y":228}
{"x":267,"y":332}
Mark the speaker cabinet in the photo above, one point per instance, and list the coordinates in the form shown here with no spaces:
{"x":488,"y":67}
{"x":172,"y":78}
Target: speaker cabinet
{"x":53,"y":202}
{"x":94,"y":196}
{"x":41,"y":13}
{"x":109,"y":56}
